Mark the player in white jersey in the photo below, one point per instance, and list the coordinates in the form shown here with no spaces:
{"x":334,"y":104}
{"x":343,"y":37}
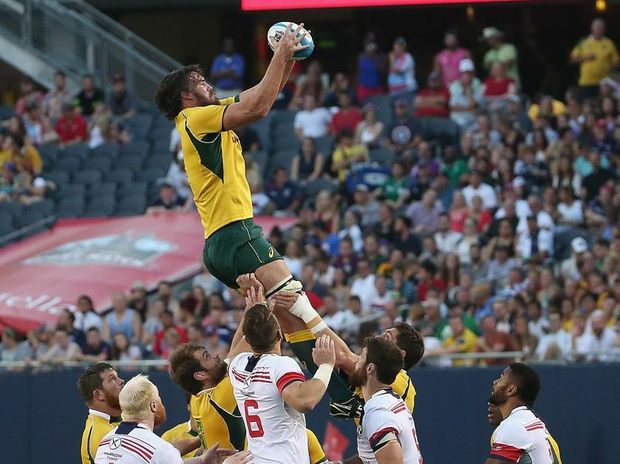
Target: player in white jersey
{"x":133,"y":441}
{"x":271,"y":390}
{"x":386,"y":434}
{"x":521,"y":437}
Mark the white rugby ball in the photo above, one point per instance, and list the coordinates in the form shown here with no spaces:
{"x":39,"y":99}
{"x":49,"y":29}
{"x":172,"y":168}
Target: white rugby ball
{"x":276,"y":32}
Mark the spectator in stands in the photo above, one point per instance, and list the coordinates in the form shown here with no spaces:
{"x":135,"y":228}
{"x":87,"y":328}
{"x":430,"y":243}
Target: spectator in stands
{"x":138,"y":299}
{"x":497,"y":87}
{"x":492,"y":340}
{"x":104,"y":129}
{"x":123,"y":350}
{"x":7,"y":181}
{"x":309,"y":164}
{"x":534,"y":242}
{"x":347,"y":117}
{"x":447,"y":61}
{"x":501,"y":52}
{"x":596,"y":56}
{"x":152,"y":324}
{"x":122,"y":320}
{"x":369,"y":132}
{"x":404,"y":132}
{"x":121,"y":101}
{"x":160,"y":344}
{"x":25,"y":157}
{"x":434,"y":100}
{"x":556,"y":345}
{"x":522,"y":339}
{"x":500,"y":265}
{"x":283,"y":193}
{"x":89,"y":95}
{"x":227,"y":70}
{"x":465,"y":96}
{"x":164,"y":294}
{"x":312,"y":121}
{"x":363,"y":284}
{"x":62,"y":350}
{"x":597,"y":343}
{"x":66,"y":321}
{"x":599,"y":177}
{"x":477,"y":188}
{"x":168,"y":200}
{"x":347,"y":155}
{"x":372,"y":66}
{"x":38,"y":126}
{"x":445,"y":238}
{"x":12,"y":349}
{"x":27,"y":93}
{"x":40,"y":340}
{"x":395,"y":190}
{"x":461,"y":340}
{"x":309,"y":84}
{"x":86,"y":317}
{"x":364,"y":206}
{"x":250,"y":143}
{"x":401,"y":78}
{"x":71,"y":127}
{"x":424,"y":214}
{"x":95,"y":350}
{"x":57,"y":97}
{"x":214,"y":345}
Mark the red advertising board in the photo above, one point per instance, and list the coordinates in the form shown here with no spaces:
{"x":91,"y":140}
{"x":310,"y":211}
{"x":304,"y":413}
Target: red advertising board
{"x":44,"y":274}
{"x":256,"y":5}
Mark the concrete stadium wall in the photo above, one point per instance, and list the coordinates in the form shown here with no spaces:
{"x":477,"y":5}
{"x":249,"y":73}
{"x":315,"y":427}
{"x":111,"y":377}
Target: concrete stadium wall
{"x":43,"y":416}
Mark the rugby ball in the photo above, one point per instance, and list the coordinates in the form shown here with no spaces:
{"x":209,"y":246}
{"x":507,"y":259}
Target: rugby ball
{"x":276,"y":32}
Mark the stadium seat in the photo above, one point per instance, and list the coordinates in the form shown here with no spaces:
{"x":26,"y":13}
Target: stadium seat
{"x":131,"y":206}
{"x":136,"y":147}
{"x":76,"y":149}
{"x":383,"y":104}
{"x":68,"y":163}
{"x":107,"y":149}
{"x":45,"y":207}
{"x":121,"y":176}
{"x":150,"y":174}
{"x":100,"y":163}
{"x":443,"y":130}
{"x":87,"y":176}
{"x":70,"y":207}
{"x":6,"y":218}
{"x":311,"y":189}
{"x":263,"y":127}
{"x":261,"y":158}
{"x":283,"y":117}
{"x":324,"y":145}
{"x":49,"y":149}
{"x":70,"y":191}
{"x":132,"y":189}
{"x":100,"y":206}
{"x":159,"y":162}
{"x":281,"y":159}
{"x":286,"y":140}
{"x":161,"y":145}
{"x":5,"y":230}
{"x":6,"y":112}
{"x":57,"y":176}
{"x":29,"y":217}
{"x":139,"y":125}
{"x":105,"y":189}
{"x":383,"y":156}
{"x":133,"y":162}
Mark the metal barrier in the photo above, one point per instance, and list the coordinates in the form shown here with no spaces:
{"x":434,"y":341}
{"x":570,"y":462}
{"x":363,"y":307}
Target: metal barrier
{"x":76,"y":38}
{"x":24,"y":231}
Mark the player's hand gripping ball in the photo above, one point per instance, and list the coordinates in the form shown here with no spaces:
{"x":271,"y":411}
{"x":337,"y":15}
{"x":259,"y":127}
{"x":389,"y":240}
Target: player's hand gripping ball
{"x":276,"y":32}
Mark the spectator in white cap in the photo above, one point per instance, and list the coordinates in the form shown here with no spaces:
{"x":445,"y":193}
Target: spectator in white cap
{"x":568,"y":268}
{"x":465,"y":96}
{"x":500,"y":52}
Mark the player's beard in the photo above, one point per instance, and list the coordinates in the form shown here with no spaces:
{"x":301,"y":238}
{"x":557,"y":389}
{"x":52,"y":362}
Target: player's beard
{"x":160,"y":414}
{"x":112,"y":400}
{"x":498,"y":397}
{"x":219,"y":372}
{"x":205,"y":100}
{"x":358,"y":377}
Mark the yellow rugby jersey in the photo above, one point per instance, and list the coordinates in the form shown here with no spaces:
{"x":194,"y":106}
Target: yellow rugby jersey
{"x":555,"y":449}
{"x":214,"y":165}
{"x":315,"y":450}
{"x":98,"y":424}
{"x":180,"y":432}
{"x":217,"y":417}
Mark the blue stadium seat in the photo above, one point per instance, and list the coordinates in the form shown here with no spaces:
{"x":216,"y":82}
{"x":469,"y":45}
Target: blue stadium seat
{"x":286,"y":140}
{"x":263,"y":128}
{"x":261,"y":158}
{"x":87,"y":176}
{"x":133,"y":162}
{"x":150,"y":174}
{"x":58,"y":177}
{"x":136,"y":188}
{"x":139,"y":125}
{"x":131,"y":206}
{"x":283,"y":117}
{"x":120,"y":176}
{"x":383,"y":104}
{"x":324,"y":145}
{"x":383,"y":156}
{"x":100,"y":163}
{"x":70,"y":207}
{"x":6,"y":218}
{"x":136,"y":147}
{"x":281,"y":159}
{"x":49,"y":149}
{"x":159,"y":162}
{"x":107,"y":149}
{"x":70,"y":191}
{"x":68,"y":163}
{"x":77,"y":149}
{"x":311,"y":189}
{"x":104,"y":189}
{"x":100,"y":206}
{"x":6,"y":112}
{"x":31,"y":216}
{"x":45,"y":207}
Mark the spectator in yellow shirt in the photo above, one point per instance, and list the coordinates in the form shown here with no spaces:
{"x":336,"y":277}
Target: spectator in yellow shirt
{"x":26,"y":157}
{"x":347,"y":154}
{"x":596,"y":56}
{"x":462,"y":340}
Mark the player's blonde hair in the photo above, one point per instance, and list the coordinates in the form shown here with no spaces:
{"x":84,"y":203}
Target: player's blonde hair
{"x":136,"y":397}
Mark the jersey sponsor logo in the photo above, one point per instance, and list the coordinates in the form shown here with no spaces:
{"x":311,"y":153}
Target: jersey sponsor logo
{"x":125,"y":250}
{"x":115,"y":443}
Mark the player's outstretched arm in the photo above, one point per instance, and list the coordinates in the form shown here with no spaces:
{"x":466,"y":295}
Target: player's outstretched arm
{"x":304,"y":396}
{"x":345,"y":358}
{"x":214,"y":455}
{"x":253,"y":296}
{"x":256,"y":102}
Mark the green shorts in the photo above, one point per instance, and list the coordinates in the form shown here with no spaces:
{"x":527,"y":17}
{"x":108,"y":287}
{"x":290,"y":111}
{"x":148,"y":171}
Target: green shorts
{"x":235,"y":249}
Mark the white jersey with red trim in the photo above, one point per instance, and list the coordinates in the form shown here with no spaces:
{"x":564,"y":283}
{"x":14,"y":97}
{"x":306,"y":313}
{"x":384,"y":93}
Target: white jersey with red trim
{"x":276,"y":432}
{"x":386,"y":418}
{"x":522,"y":438}
{"x":133,"y":443}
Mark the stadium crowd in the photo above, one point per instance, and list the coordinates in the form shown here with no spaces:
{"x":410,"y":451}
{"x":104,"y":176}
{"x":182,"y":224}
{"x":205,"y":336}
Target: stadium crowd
{"x":487,"y":219}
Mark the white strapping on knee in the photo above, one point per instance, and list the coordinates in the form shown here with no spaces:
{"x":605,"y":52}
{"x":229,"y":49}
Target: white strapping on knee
{"x":302,"y":308}
{"x":282,"y":285}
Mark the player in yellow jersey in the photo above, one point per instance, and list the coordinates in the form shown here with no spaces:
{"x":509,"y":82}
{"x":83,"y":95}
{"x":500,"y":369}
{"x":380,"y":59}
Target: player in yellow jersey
{"x":100,"y":386}
{"x":495,"y":418}
{"x":234,"y":244}
{"x":183,"y":431}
